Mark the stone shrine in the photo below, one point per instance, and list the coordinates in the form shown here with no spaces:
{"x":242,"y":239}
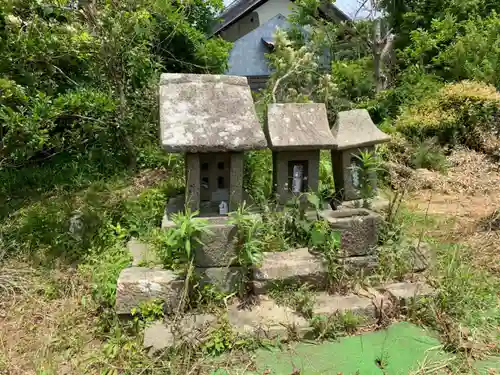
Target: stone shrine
{"x":296,"y":133}
{"x":212,"y":119}
{"x":354,"y":132}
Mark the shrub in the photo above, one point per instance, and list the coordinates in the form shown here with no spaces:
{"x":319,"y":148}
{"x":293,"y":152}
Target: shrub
{"x":460,"y":113}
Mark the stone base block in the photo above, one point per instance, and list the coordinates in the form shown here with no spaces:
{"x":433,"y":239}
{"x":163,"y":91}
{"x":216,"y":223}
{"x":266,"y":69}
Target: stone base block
{"x":224,"y":279}
{"x":192,"y":328}
{"x":365,"y":265}
{"x":405,"y":292}
{"x":218,"y":247}
{"x":364,"y":307}
{"x":297,"y":265}
{"x":137,"y":284}
{"x":268,"y":320}
{"x":358,"y":229}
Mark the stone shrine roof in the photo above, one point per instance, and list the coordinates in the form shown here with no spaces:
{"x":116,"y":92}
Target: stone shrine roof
{"x":208,"y":113}
{"x":298,"y":126}
{"x":355,"y":128}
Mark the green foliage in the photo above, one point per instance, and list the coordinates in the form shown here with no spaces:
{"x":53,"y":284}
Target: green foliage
{"x":176,"y":246}
{"x":430,"y":156}
{"x":209,"y":295}
{"x":472,"y":53}
{"x":148,"y":312}
{"x":461,"y":113}
{"x":331,"y":327}
{"x":258,"y":175}
{"x":84,"y":81}
{"x":411,"y":86}
{"x":354,"y":79}
{"x":367,"y":167}
{"x":103,"y":269}
{"x":250,"y":245}
{"x":222,"y":339}
{"x":299,"y":297}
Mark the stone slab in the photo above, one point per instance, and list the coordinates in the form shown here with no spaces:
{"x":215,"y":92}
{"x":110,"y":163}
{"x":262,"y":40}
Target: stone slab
{"x":297,"y":265}
{"x":208,"y":113}
{"x":298,"y":126}
{"x":142,"y":253}
{"x":157,"y":338}
{"x":225,"y":279}
{"x":139,"y":284}
{"x":268,"y":320}
{"x":358,"y":230}
{"x":367,"y":265}
{"x":192,"y":328}
{"x":378,"y":204}
{"x":355,"y":128}
{"x":421,"y":256}
{"x":405,"y":291}
{"x":330,"y":304}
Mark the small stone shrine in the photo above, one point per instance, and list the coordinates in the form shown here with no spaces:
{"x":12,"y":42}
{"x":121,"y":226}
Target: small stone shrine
{"x":354,"y":132}
{"x":210,"y":118}
{"x":296,"y":133}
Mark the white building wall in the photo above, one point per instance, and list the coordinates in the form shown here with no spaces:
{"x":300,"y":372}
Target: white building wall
{"x":271,"y":8}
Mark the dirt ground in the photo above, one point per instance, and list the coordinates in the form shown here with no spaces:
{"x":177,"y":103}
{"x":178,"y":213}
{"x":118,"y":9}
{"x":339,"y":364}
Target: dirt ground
{"x":469,"y":195}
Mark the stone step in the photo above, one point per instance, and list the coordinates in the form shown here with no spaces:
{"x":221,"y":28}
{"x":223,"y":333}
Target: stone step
{"x":218,"y":248}
{"x":301,"y":266}
{"x":268,"y":320}
{"x":297,"y":265}
{"x":136,"y":285}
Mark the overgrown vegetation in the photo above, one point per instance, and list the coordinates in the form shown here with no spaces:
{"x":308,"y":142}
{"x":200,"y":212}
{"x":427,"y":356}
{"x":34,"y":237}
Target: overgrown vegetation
{"x":81,"y":173}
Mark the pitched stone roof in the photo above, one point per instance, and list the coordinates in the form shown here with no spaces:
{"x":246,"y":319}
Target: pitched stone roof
{"x":355,"y":128}
{"x":208,"y":113}
{"x":298,"y":126}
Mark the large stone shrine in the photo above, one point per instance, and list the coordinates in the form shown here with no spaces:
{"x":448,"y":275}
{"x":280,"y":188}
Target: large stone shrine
{"x":212,"y":120}
{"x":296,"y":132}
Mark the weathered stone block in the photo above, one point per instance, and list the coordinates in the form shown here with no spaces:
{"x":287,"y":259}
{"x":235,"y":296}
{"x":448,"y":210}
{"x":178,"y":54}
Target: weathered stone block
{"x":366,"y":265}
{"x":142,"y":253}
{"x":225,"y":279}
{"x":377,"y":204}
{"x":330,"y":304}
{"x":157,"y":337}
{"x":268,"y":320}
{"x":358,"y":229}
{"x":218,"y":248}
{"x":405,"y":291}
{"x":421,"y":256}
{"x":138,"y":284}
{"x":192,"y":328}
{"x":297,"y":265}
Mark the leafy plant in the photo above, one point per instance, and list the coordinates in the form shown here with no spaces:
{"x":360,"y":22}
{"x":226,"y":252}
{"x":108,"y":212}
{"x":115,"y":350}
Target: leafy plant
{"x":178,"y":243}
{"x":222,"y":339}
{"x":430,"y":156}
{"x":249,"y":244}
{"x":330,"y":327}
{"x":299,"y":297}
{"x":148,"y":311}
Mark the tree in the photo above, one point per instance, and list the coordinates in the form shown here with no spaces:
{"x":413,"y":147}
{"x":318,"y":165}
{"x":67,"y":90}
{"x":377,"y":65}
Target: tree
{"x":83,"y":80}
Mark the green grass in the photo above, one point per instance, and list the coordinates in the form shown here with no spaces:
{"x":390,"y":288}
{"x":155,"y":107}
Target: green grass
{"x":71,"y":277}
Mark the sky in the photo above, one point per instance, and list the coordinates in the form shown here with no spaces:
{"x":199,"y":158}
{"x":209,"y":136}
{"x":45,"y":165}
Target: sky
{"x":349,"y":7}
